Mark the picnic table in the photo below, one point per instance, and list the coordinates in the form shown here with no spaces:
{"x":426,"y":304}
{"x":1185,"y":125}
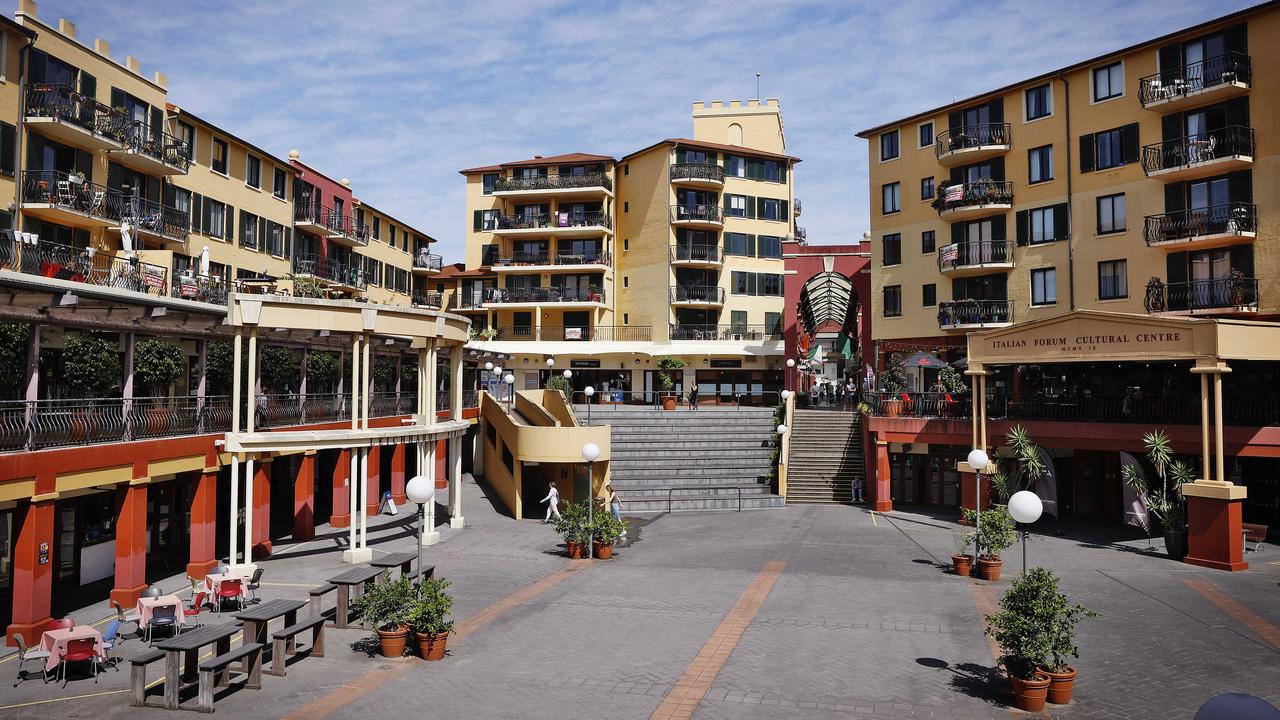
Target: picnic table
{"x":256,"y":620}
{"x":190,"y":644}
{"x":404,"y":560}
{"x":357,"y":577}
{"x":55,"y":642}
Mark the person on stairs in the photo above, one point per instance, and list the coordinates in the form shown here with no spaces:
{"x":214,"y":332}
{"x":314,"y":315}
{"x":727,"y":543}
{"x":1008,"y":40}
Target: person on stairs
{"x":614,"y":503}
{"x":553,"y":502}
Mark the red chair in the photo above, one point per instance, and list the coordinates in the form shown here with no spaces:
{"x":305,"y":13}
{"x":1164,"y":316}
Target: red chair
{"x":79,"y":650}
{"x":230,"y":589}
{"x":196,"y":606}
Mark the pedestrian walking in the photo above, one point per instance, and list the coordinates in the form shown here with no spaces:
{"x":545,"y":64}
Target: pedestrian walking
{"x":615,"y":504}
{"x":553,"y":502}
{"x":850,"y":393}
{"x":693,"y":395}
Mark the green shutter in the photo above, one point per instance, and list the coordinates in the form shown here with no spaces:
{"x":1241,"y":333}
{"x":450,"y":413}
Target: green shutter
{"x":750,"y":249}
{"x":476,"y":222}
{"x":783,"y":215}
{"x":1086,"y":153}
{"x":228,"y":225}
{"x":8,"y":149}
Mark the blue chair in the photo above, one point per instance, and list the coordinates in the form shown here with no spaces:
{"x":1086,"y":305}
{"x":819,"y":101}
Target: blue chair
{"x":110,"y":640}
{"x":163,"y":617}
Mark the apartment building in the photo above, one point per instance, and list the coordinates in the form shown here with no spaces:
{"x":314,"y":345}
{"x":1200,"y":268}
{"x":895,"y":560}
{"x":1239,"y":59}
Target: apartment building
{"x":1058,"y":238}
{"x":603,"y":265}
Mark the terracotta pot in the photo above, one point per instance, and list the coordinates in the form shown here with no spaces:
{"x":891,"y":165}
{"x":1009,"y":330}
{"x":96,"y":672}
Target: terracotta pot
{"x":575,"y":550}
{"x":431,"y":648}
{"x":1029,"y":695}
{"x":603,"y":551}
{"x":391,"y":643}
{"x":669,"y":403}
{"x":891,"y":408}
{"x":989,"y":568}
{"x":962,"y":565}
{"x":1060,"y":685}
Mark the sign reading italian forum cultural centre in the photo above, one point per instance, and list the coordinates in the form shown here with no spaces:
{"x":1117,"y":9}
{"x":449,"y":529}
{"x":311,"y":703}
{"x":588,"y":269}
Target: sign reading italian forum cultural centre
{"x":1122,"y":343}
{"x":1086,"y":338}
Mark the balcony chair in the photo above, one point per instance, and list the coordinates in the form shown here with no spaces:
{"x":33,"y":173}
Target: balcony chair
{"x":79,"y":650}
{"x":32,"y":654}
{"x":65,"y":196}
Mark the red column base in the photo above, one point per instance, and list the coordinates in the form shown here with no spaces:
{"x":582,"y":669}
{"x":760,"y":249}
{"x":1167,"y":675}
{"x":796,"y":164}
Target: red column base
{"x":198,"y":570}
{"x":371,"y":509}
{"x":262,"y":549}
{"x":1215,"y":537}
{"x":30,"y":632}
{"x":339,"y":521}
{"x":399,"y":499}
{"x":883,"y":505}
{"x":127,"y":597}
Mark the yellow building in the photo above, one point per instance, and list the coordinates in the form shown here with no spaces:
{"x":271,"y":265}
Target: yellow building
{"x":605,"y":265}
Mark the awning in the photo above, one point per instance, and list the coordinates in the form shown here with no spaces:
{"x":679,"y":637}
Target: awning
{"x":924,"y":360}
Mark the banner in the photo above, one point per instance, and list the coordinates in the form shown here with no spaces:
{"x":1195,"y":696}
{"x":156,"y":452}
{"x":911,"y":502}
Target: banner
{"x":1047,"y":484}
{"x":1135,"y":503}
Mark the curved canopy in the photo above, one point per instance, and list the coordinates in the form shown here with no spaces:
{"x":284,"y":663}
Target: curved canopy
{"x":827,"y":297}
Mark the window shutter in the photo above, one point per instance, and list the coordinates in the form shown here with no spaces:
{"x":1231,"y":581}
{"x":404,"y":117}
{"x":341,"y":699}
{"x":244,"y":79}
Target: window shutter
{"x":84,"y":163}
{"x":996,"y":110}
{"x":88,"y":85}
{"x":39,"y":60}
{"x":759,"y":207}
{"x":1176,"y":268}
{"x":288,"y":242}
{"x":262,"y":236}
{"x":1238,"y":111}
{"x":997,"y":168}
{"x":679,"y":155}
{"x":957,"y":233}
{"x":1240,"y":186}
{"x":228,"y":226}
{"x":475,"y":220}
{"x":1060,"y":218}
{"x":957,"y":175}
{"x":954,"y":120}
{"x":1086,"y":153}
{"x":1171,"y":127}
{"x":958,"y":289}
{"x":782,"y":171}
{"x":784,"y":205}
{"x":197,"y":220}
{"x":117,"y":98}
{"x":1236,"y":38}
{"x":1021,"y":233}
{"x":1129,"y":142}
{"x":750,"y":250}
{"x":8,"y":151}
{"x":157,"y":121}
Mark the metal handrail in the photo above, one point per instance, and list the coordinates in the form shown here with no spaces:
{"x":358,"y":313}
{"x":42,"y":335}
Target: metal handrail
{"x":158,"y":218}
{"x":970,"y":136}
{"x":553,"y":182}
{"x":974,"y":312}
{"x":1183,"y":80}
{"x":153,"y":142}
{"x":697,"y":171}
{"x":200,"y":288}
{"x":958,"y":255}
{"x":430,"y":299}
{"x":697,"y":293}
{"x":739,"y":332}
{"x":976,"y":193}
{"x":545,"y":294}
{"x":82,"y":265}
{"x":695,"y":252}
{"x":695,"y":212}
{"x":571,"y":333}
{"x":64,"y":103}
{"x":332,"y":270}
{"x":423,"y":260}
{"x":1222,"y":219}
{"x":73,"y":193}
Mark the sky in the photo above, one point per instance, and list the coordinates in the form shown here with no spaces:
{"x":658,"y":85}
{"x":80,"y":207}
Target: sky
{"x":399,"y":96}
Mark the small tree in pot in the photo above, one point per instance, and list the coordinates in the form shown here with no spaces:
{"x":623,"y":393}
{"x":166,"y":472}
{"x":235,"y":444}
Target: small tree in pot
{"x":1164,"y":502}
{"x":666,"y":364}
{"x":429,"y":618}
{"x":13,"y":358}
{"x":90,"y":364}
{"x":605,"y":531}
{"x":279,"y":369}
{"x":893,"y":380}
{"x":962,"y":559}
{"x":575,"y":527}
{"x":158,"y":364}
{"x":996,"y":533}
{"x":557,"y":382}
{"x":386,"y":606}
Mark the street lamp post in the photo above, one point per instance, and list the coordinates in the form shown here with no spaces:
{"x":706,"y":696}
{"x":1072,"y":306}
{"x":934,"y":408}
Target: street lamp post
{"x":1025,"y":507}
{"x":589,"y":391}
{"x":791,"y":365}
{"x":590,"y":452}
{"x":978,"y":461}
{"x":510,"y":380}
{"x":421,"y":490}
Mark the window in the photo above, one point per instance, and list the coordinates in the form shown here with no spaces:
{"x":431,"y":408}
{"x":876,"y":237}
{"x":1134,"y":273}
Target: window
{"x":737,"y":205}
{"x":926,"y":188}
{"x":891,"y":198}
{"x":893,"y":301}
{"x":735,"y":166}
{"x":391,"y":235}
{"x":248,"y":230}
{"x":214,"y":212}
{"x":626,"y":207}
{"x":1113,"y":279}
{"x":926,"y":134}
{"x":489,"y":180}
{"x":1111,"y":217}
{"x":252,"y":171}
{"x":892,"y":249}
{"x":928,"y":241}
{"x":1041,"y":220}
{"x":769,"y":246}
{"x":929,"y":295}
{"x":626,"y":281}
{"x":1109,"y":148}
{"x":770,"y":284}
{"x":279,"y":180}
{"x":737,"y":244}
{"x":187,"y":135}
{"x":1108,"y":82}
{"x":889,"y":145}
{"x":218,"y":158}
{"x":771,"y":209}
{"x":742,"y":283}
{"x":275,"y":239}
{"x":377,"y":224}
{"x":1040,"y":161}
{"x":1044,"y":286}
{"x":8,"y":148}
{"x":1039,"y":102}
{"x":773,"y":171}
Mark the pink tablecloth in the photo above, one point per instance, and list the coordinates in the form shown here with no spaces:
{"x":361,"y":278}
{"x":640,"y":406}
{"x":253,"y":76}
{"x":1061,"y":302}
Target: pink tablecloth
{"x":56,"y":641}
{"x":147,"y":606}
{"x":213,"y":581}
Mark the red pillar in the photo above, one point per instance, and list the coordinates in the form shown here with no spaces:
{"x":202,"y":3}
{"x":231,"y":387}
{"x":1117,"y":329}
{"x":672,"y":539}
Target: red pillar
{"x":442,"y":464}
{"x":32,"y":571}
{"x":204,"y":522}
{"x":304,"y":499}
{"x":1215,"y":537}
{"x":397,"y":474}
{"x":341,"y":516}
{"x":882,"y":494}
{"x":373,"y":489}
{"x":968,"y":490}
{"x":131,"y":544}
{"x":262,"y":509}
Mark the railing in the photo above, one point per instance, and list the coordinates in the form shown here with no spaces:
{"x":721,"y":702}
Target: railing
{"x":544,"y":294}
{"x":81,"y":265}
{"x":153,"y":142}
{"x":201,"y":289}
{"x":1229,"y":141}
{"x":391,"y":403}
{"x":63,"y":103}
{"x":473,"y":299}
{"x":152,"y":216}
{"x":423,"y":260}
{"x":331,"y":220}
{"x":974,"y":312}
{"x":1224,"y":219}
{"x":322,"y":267}
{"x":1235,"y":291}
{"x":1230,"y":67}
{"x":739,"y":396}
{"x":68,"y":192}
{"x":559,"y":333}
{"x":686,"y":331}
{"x":699,"y":213}
{"x":983,"y":252}
{"x":429,"y":299}
{"x":551,"y":221}
{"x":562,"y":257}
{"x":922,"y":404}
{"x":970,"y":136}
{"x":444,"y":400}
{"x":553,"y":182}
{"x":39,"y":424}
{"x":976,"y":193}
{"x":697,"y":171}
{"x":697,"y":293}
{"x":695,"y":252}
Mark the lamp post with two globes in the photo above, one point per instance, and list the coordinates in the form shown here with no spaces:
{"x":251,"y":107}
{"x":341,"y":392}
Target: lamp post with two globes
{"x":791,"y":365}
{"x":591,"y":452}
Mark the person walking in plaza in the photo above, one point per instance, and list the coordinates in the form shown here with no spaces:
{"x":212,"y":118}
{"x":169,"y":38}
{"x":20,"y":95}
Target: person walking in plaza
{"x":614,"y":504}
{"x":693,"y":395}
{"x":553,"y":502}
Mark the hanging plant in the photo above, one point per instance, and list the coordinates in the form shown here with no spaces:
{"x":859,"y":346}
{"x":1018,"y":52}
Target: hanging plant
{"x":279,"y":369}
{"x":13,"y":358}
{"x":322,"y":369}
{"x":158,"y":364}
{"x":91,"y":364}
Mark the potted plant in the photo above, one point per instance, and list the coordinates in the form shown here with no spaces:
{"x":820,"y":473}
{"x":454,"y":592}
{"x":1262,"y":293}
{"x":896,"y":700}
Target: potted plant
{"x":1165,"y":501}
{"x":996,"y":534}
{"x":386,"y":606}
{"x":158,"y":364}
{"x":558,"y":383}
{"x":605,"y":531}
{"x":666,"y":364}
{"x":1021,"y":631}
{"x":962,"y":559}
{"x":893,"y":380}
{"x":1062,"y":645}
{"x":76,"y":176}
{"x":574,"y":527}
{"x":91,"y":367}
{"x":429,"y":618}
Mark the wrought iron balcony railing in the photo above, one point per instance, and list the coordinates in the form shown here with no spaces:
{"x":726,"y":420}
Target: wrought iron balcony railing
{"x":1224,"y":219}
{"x":45,"y":100}
{"x":201,"y":289}
{"x":82,"y":265}
{"x":1229,"y":141}
{"x":971,"y":194}
{"x":554,"y":182}
{"x":468,"y":299}
{"x":974,"y":312}
{"x":554,"y":220}
{"x":685,"y":331}
{"x":153,"y":142}
{"x":958,"y":255}
{"x":429,"y":299}
{"x":1232,"y":67}
{"x":1235,"y":291}
{"x":573,"y":333}
{"x":72,"y":193}
{"x":695,"y":252}
{"x":970,"y":136}
{"x":696,"y":213}
{"x":551,"y":294}
{"x":697,"y":171}
{"x":322,"y":267}
{"x":697,"y":293}
{"x":151,"y":216}
{"x":423,"y":260}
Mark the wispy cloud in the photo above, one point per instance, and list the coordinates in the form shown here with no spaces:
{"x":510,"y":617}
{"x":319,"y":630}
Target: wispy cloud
{"x":399,"y":96}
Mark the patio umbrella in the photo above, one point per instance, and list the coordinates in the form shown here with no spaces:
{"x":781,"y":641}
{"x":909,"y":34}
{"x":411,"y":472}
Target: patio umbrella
{"x":204,"y":262}
{"x":924,"y":360}
{"x":126,"y":239}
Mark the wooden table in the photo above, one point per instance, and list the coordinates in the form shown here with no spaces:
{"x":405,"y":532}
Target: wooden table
{"x":357,"y":577}
{"x":402,"y":559}
{"x":190,"y":644}
{"x":256,"y":620}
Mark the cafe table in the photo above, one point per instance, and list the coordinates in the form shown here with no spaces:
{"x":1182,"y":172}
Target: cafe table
{"x":55,"y":643}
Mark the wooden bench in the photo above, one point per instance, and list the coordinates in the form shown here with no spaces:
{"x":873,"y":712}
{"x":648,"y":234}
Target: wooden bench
{"x":1256,"y":534}
{"x":282,"y":642}
{"x":429,"y":571}
{"x":138,"y":676}
{"x":219,"y":668}
{"x":317,"y":594}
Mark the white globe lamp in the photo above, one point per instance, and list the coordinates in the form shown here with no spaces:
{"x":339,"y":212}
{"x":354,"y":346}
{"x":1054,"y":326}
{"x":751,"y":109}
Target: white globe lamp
{"x":978,"y":460}
{"x":421,"y":491}
{"x":791,"y":362}
{"x":551,"y":362}
{"x":1025,"y":507}
{"x":782,"y":429}
{"x":568,"y":374}
{"x":590,"y":452}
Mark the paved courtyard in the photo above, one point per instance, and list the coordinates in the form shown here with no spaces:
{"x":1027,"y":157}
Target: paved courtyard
{"x":808,"y":612}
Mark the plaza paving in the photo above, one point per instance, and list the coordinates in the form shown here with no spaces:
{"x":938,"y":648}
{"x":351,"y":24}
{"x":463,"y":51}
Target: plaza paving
{"x":807,"y":612}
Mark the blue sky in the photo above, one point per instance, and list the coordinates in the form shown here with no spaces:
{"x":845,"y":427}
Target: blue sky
{"x":400,"y":96}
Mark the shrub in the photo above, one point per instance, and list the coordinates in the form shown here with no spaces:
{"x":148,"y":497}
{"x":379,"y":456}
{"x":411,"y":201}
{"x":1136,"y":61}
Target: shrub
{"x":573,"y":523}
{"x":995,"y":531}
{"x":430,"y":612}
{"x":322,"y":369}
{"x":279,"y":367}
{"x":607,"y":529}
{"x":384,"y":372}
{"x":557,"y":382}
{"x":13,"y":358}
{"x":218,"y":359}
{"x":386,"y":605}
{"x":158,"y":364}
{"x":666,"y":364}
{"x":1035,"y":627}
{"x":90,"y":364}
{"x":894,"y":377}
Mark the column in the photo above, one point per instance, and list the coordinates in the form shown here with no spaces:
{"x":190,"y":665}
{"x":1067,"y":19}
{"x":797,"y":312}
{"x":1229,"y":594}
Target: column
{"x":455,"y":384}
{"x":341,"y":516}
{"x":883,"y":495}
{"x":1214,"y":505}
{"x":127,"y":385}
{"x":355,"y":383}
{"x":233,"y":511}
{"x":357,"y":533}
{"x":455,"y":477}
{"x":364,"y":369}
{"x":202,"y":379}
{"x":204,"y":523}
{"x":427,"y":466}
{"x":261,"y":509}
{"x":235,"y":396}
{"x":131,"y":542}
{"x":398,"y":474}
{"x":439,"y":463}
{"x":32,"y":569}
{"x":304,"y":498}
{"x":251,"y":407}
{"x":373,"y":492}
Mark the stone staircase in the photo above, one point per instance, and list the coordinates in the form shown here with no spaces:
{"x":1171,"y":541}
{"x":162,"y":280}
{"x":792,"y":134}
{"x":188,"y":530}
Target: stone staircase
{"x":707,"y":456}
{"x":826,"y":456}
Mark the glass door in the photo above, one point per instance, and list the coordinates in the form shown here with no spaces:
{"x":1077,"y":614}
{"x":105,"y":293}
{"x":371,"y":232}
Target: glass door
{"x":1209,"y":272}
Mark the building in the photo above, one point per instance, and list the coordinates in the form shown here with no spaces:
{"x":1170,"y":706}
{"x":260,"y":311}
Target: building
{"x":604,"y":265}
{"x":147,"y":255}
{"x":828,"y":290}
{"x":1124,"y":200}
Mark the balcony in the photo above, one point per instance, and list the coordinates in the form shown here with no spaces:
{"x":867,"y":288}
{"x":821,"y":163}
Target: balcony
{"x":974,"y":258}
{"x":697,"y":295}
{"x":152,"y":219}
{"x":200,"y":288}
{"x":429,"y":299}
{"x":586,"y":184}
{"x":974,"y":314}
{"x":963,"y":201}
{"x":1207,"y":81}
{"x":559,"y":295}
{"x":1195,"y":156}
{"x":727,"y":333}
{"x":696,"y":216}
{"x":149,"y":149}
{"x":68,"y":200}
{"x":564,"y":260}
{"x":1212,"y":226}
{"x":1232,"y":295}
{"x":695,"y":255}
{"x":466,"y":301}
{"x":697,"y":175}
{"x":560,"y":224}
{"x":65,"y":115}
{"x":575,"y":333}
{"x":320,"y":220}
{"x":424,"y":263}
{"x":971,"y":143}
{"x":82,"y":265}
{"x":329,"y":273}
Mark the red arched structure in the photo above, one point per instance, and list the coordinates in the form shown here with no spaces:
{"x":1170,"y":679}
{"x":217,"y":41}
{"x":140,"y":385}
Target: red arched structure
{"x":805,"y":262}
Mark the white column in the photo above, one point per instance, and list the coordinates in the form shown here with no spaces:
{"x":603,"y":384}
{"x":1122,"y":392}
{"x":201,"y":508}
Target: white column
{"x":455,"y":479}
{"x":364,"y":494}
{"x":235,"y":506}
{"x":427,"y":466}
{"x":455,"y":382}
{"x":252,"y":405}
{"x":355,"y":392}
{"x":357,"y":486}
{"x":432,"y":381}
{"x":364,"y":369}
{"x":235,"y":382}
